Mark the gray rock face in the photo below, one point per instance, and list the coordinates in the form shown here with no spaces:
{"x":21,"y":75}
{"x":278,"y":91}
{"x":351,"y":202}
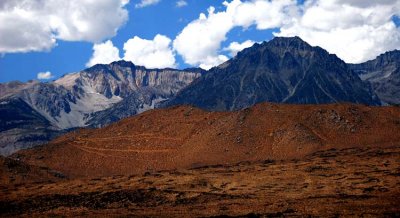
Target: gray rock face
{"x":384,"y":75}
{"x":22,"y":127}
{"x":94,"y":97}
{"x":133,"y":104}
{"x":286,"y":70}
{"x":10,"y":88}
{"x":48,"y":98}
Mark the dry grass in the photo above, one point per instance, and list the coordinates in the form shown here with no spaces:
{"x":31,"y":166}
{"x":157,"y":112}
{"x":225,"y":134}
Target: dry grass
{"x":348,"y":182}
{"x":184,"y":137}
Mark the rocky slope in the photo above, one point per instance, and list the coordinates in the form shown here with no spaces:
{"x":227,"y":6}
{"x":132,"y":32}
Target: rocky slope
{"x":23,"y":127}
{"x":15,"y":172}
{"x":284,"y":70}
{"x":184,"y":137}
{"x":384,"y":75}
{"x":93,"y":97}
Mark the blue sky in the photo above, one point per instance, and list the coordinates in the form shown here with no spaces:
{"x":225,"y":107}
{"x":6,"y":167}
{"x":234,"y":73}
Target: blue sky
{"x":69,"y":57}
{"x":312,"y":22}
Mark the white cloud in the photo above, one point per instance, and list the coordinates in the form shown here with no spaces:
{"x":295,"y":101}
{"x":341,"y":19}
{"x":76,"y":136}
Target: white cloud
{"x":200,"y":41}
{"x":181,"y":3}
{"x":264,"y":14}
{"x":366,"y":3}
{"x":212,"y":61}
{"x":36,"y":25}
{"x":356,"y":30}
{"x":156,"y":53}
{"x":45,"y":75}
{"x":235,"y":47}
{"x":145,"y":3}
{"x":104,"y":53}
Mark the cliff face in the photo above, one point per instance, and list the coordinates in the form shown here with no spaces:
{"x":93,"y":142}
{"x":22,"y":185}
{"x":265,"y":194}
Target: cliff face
{"x":384,"y":75}
{"x":98,"y":89}
{"x":93,"y":97}
{"x":283,"y":70}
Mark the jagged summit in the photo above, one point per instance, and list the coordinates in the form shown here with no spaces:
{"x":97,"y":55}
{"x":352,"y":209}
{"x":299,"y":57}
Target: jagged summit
{"x":292,"y":42}
{"x":390,"y":56}
{"x":128,"y":64}
{"x":123,"y":63}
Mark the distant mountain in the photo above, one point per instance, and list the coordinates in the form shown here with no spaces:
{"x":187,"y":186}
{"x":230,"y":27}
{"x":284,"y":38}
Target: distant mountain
{"x":93,"y":97}
{"x":286,"y":70}
{"x":384,"y":75}
{"x":283,"y":70}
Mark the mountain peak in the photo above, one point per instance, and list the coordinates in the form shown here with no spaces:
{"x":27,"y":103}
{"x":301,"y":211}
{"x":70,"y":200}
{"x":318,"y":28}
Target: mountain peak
{"x":294,"y":42}
{"x":291,"y":44}
{"x":283,"y":45}
{"x":284,"y":70}
{"x":283,"y":39}
{"x":106,"y":67}
{"x":123,"y":63}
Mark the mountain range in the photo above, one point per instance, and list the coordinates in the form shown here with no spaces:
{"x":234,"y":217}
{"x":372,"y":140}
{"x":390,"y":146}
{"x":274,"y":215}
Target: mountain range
{"x":32,"y":113}
{"x":283,"y":70}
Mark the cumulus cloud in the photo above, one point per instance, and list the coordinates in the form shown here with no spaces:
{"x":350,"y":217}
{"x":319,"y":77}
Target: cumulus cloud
{"x":355,"y":30}
{"x":45,"y":75}
{"x":235,"y":47}
{"x":104,"y":53}
{"x":156,"y":53}
{"x":264,"y":14}
{"x":145,"y":3}
{"x":200,"y":41}
{"x":36,"y":25}
{"x":212,"y":61}
{"x":181,"y":3}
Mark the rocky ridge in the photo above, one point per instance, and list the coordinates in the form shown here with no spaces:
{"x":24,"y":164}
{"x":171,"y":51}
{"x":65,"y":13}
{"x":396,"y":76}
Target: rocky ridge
{"x":384,"y":75}
{"x":93,"y":97}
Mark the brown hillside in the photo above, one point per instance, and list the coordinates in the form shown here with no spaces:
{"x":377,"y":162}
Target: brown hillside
{"x":185,"y":137}
{"x":351,"y":182}
{"x":14,"y":173}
